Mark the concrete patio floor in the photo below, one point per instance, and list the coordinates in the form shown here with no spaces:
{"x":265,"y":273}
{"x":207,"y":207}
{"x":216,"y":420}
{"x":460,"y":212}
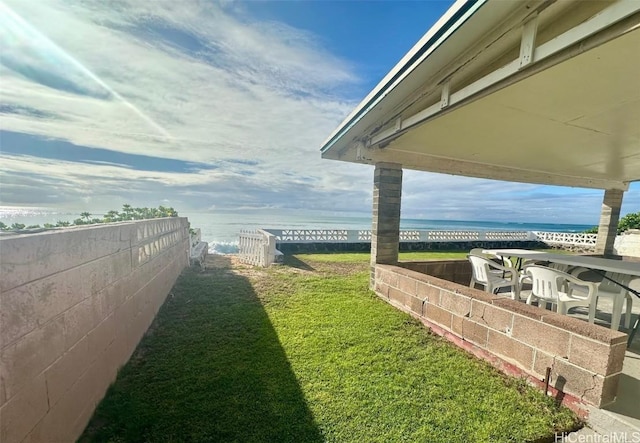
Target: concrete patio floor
{"x":626,"y":409}
{"x":624,"y":414}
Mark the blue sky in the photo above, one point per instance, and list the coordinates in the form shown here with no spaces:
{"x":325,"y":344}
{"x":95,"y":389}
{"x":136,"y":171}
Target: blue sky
{"x":207,"y":105}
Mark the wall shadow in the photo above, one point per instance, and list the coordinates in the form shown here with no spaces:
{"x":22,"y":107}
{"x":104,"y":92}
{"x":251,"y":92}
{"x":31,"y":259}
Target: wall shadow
{"x":212,"y":370}
{"x":217,"y":261}
{"x":294,"y":262}
{"x":626,"y":403}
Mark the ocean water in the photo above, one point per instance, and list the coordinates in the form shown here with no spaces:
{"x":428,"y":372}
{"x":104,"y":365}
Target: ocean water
{"x":221,"y":228}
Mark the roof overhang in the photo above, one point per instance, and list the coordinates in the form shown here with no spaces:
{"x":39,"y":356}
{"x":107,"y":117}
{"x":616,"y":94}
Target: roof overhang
{"x":538,"y":92}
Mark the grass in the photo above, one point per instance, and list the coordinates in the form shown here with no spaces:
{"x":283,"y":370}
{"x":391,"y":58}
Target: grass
{"x":306,"y":353}
{"x":364,"y":257}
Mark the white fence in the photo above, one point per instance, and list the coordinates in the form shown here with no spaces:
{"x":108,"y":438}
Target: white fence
{"x":567,"y":238}
{"x":257,"y":248}
{"x":364,"y":236}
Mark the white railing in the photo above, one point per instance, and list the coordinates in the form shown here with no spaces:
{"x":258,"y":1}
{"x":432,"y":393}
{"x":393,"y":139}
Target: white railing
{"x":567,"y":238}
{"x":195,"y":236}
{"x":413,"y":235}
{"x":364,"y":236}
{"x":409,"y":235}
{"x":315,"y":235}
{"x":509,"y":235}
{"x":257,"y":248}
{"x":449,"y":236}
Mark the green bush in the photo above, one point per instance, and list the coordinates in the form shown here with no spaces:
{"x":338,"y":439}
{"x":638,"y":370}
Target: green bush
{"x":629,"y":221}
{"x":128,"y":213}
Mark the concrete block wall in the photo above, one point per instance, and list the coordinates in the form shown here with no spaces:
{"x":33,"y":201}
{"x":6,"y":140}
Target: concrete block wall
{"x":585,"y":360}
{"x":385,"y":228}
{"x":628,"y":243}
{"x":457,"y":271}
{"x":74,"y":303}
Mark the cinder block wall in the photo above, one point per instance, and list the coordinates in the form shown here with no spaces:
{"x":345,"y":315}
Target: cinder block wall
{"x":457,"y":271}
{"x":585,"y":360}
{"x":628,"y":244}
{"x":74,"y":303}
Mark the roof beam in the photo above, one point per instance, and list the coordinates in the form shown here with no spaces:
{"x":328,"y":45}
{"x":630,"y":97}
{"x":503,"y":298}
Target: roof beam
{"x":541,"y":57}
{"x":443,"y":29}
{"x":431,"y":163}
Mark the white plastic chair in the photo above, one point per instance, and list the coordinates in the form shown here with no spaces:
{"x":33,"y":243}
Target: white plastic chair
{"x":526,"y":278}
{"x":493,"y":276}
{"x":619,"y":295}
{"x":559,"y":288}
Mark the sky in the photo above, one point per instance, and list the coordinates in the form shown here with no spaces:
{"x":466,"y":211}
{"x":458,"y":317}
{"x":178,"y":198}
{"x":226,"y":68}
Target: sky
{"x":220,"y":106}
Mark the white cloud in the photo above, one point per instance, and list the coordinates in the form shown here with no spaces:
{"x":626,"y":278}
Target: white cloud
{"x":33,"y":180}
{"x":249,"y":91}
{"x":204,"y":82}
{"x":245,"y":90}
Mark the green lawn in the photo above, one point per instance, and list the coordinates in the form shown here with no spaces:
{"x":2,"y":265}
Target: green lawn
{"x":306,"y":353}
{"x":365,"y":257}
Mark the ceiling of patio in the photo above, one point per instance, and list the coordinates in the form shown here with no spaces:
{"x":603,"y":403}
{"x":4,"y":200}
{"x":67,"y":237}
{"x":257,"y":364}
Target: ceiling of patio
{"x":573,"y":123}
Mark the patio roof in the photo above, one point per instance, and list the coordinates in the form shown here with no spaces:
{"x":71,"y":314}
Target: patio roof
{"x":538,"y":92}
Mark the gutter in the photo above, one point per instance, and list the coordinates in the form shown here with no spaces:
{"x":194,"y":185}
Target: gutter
{"x":459,"y":17}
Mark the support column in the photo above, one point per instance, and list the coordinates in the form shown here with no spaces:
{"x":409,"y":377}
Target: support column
{"x":609,"y":217}
{"x":385,"y":232}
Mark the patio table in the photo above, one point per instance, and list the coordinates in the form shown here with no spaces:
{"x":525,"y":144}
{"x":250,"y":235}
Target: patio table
{"x":520,"y":254}
{"x":596,"y":264}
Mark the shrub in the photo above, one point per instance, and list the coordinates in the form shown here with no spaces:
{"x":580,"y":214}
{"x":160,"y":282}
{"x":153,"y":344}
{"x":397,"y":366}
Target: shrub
{"x":128,"y":213}
{"x":629,"y":221}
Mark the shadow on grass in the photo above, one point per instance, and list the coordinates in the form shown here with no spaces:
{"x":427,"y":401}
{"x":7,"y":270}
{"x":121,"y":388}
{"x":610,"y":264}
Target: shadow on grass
{"x":295,"y":262}
{"x":212,"y":370}
{"x":217,"y":261}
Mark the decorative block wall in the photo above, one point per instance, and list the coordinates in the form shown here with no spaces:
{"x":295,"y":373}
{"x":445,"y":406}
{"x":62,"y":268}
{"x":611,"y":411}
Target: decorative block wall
{"x":74,"y":303}
{"x":585,"y":360}
{"x":457,"y":271}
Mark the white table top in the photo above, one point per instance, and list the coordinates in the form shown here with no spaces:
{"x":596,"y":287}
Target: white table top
{"x":602,"y":264}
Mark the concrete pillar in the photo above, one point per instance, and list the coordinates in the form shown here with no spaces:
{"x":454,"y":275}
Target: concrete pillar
{"x":385,"y":232}
{"x":608,"y":227}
